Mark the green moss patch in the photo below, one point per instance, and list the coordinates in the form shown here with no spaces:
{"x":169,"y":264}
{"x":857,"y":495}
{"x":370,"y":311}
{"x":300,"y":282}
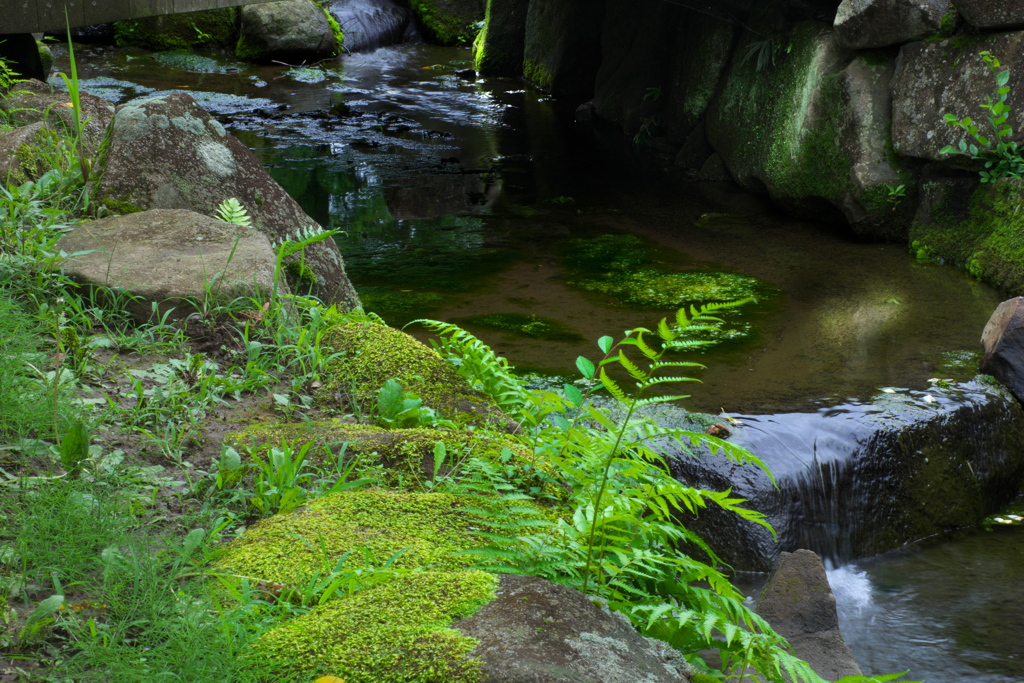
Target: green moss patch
{"x":526,"y":325}
{"x":214,"y":28}
{"x":371,"y":354}
{"x":424,"y":530}
{"x":391,"y":633}
{"x":450,"y":22}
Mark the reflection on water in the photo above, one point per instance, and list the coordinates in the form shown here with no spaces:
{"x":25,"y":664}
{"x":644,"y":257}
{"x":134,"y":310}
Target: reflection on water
{"x":463,"y":199}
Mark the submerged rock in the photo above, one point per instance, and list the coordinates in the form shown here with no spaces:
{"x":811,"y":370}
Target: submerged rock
{"x":167,"y":152}
{"x":536,"y":630}
{"x":859,"y":479}
{"x":798,"y":602}
{"x":167,"y":260}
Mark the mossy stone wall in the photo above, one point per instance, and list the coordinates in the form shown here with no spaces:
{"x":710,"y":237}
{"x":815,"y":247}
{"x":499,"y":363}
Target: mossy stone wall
{"x":216,"y":28}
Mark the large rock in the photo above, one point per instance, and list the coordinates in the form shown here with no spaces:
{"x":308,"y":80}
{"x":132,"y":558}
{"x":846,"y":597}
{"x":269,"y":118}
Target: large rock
{"x":173,"y":259}
{"x":292,"y":31}
{"x":450,"y":22}
{"x":991,"y":14}
{"x":811,"y":130}
{"x":1003,"y":343}
{"x":34,"y":101}
{"x":936,"y":78}
{"x":562,"y":52}
{"x":877,"y":23}
{"x":798,"y":602}
{"x":975,"y":226}
{"x":499,"y":45}
{"x":535,"y":630}
{"x":369,"y":24}
{"x":859,"y":479}
{"x":167,"y":152}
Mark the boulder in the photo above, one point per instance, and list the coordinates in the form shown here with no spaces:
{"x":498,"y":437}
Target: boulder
{"x":167,"y":152}
{"x":936,"y":78}
{"x":34,"y":101}
{"x":991,"y":14}
{"x":294,"y":31}
{"x":369,"y":24}
{"x":535,"y":630}
{"x":22,"y":53}
{"x":858,"y":479}
{"x":798,"y":602}
{"x":170,"y":259}
{"x":24,"y":152}
{"x":499,"y":46}
{"x":450,"y":22}
{"x":811,"y":130}
{"x":1003,"y":344}
{"x":975,"y":226}
{"x":214,"y":28}
{"x":562,"y":50}
{"x":877,"y":23}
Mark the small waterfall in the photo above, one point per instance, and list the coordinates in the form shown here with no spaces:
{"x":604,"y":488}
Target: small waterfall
{"x":370,"y":24}
{"x":863,"y":478}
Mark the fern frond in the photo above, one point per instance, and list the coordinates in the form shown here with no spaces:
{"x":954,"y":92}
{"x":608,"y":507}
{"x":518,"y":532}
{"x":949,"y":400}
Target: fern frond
{"x":232,"y":211}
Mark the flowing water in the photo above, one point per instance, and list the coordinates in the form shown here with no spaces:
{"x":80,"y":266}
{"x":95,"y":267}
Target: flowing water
{"x":480,"y":201}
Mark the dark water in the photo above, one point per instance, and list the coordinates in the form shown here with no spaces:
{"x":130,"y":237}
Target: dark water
{"x":481,"y":201}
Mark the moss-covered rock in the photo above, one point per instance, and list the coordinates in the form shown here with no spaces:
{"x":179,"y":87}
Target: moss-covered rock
{"x":371,"y":354}
{"x":975,"y":226}
{"x":498,"y":48}
{"x":811,"y":127}
{"x":450,"y":22}
{"x":215,"y":28}
{"x":405,"y":456}
{"x":34,"y":101}
{"x":562,"y":49}
{"x":391,"y":633}
{"x":27,"y":152}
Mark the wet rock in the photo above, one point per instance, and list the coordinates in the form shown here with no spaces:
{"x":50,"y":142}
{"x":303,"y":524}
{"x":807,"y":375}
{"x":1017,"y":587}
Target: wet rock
{"x":811,"y":131}
{"x":167,"y":152}
{"x":991,"y":14}
{"x":35,"y":101}
{"x":466,"y":74}
{"x":170,"y":258}
{"x":798,"y":602}
{"x":877,"y":23}
{"x":936,"y":78}
{"x":449,"y":22}
{"x":972,"y":225}
{"x":1003,"y":341}
{"x":499,"y":45}
{"x":562,"y":51}
{"x":294,"y":31}
{"x":369,"y":24}
{"x":859,"y":479}
{"x":535,"y":630}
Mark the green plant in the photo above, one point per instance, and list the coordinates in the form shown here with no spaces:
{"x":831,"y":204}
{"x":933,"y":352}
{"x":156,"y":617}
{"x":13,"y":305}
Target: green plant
{"x":232,"y":211}
{"x":1001,"y":155}
{"x":398,"y":408}
{"x":84,"y":162}
{"x":895,"y":193}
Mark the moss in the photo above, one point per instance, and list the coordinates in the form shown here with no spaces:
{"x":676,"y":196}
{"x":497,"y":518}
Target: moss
{"x":339,"y":35}
{"x":215,"y":27}
{"x":395,"y":632}
{"x":46,"y":57}
{"x":527,"y":325}
{"x":405,"y":456}
{"x":416,"y":530}
{"x":300,"y":271}
{"x":371,"y":354}
{"x":537,"y":73}
{"x":445,"y":23}
{"x":982,"y":232}
{"x":120,"y":207}
{"x":248,"y":50}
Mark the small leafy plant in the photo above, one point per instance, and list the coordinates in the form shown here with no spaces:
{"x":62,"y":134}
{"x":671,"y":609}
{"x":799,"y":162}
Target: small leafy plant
{"x":1000,"y":154}
{"x":232,"y":211}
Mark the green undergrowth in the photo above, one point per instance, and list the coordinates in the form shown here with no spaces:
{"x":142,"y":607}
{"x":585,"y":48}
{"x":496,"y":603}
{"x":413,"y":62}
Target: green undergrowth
{"x":213,"y":28}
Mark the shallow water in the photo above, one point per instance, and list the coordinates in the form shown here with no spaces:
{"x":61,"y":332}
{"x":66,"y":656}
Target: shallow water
{"x":463,"y":199}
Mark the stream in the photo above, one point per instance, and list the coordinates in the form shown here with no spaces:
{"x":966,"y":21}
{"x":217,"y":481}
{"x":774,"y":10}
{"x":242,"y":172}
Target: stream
{"x":482,"y":202}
